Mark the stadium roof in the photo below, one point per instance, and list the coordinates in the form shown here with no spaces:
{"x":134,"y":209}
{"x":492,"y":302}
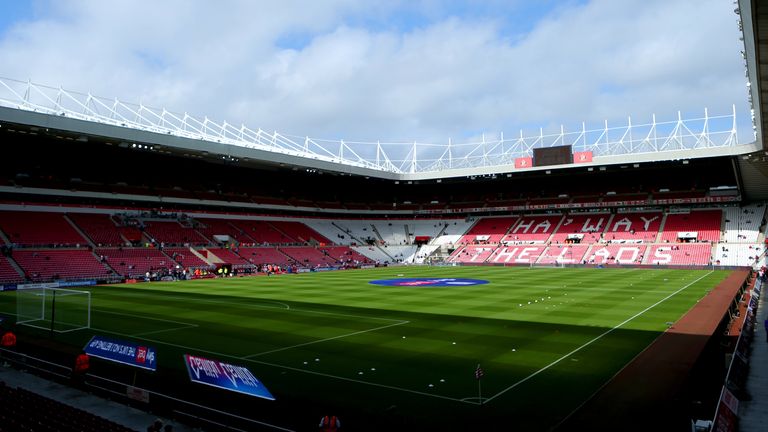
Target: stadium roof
{"x":645,"y":140}
{"x":86,"y":114}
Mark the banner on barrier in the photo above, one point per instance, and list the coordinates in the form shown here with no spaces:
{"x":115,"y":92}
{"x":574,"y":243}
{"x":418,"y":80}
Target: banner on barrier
{"x":225,"y":376}
{"x":127,"y":353}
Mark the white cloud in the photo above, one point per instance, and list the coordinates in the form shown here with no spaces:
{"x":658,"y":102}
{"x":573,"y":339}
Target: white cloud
{"x":452,"y":77}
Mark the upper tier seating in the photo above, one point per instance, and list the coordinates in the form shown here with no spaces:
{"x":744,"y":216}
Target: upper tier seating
{"x":212,"y":227}
{"x":633,"y":227}
{"x":706,"y":223}
{"x":742,"y":224}
{"x":488,"y":230}
{"x":299,"y":231}
{"x":136,"y":262}
{"x":262,"y":232}
{"x":53,"y":264}
{"x":100,"y":228}
{"x":38,"y":229}
{"x":532,"y":229}
{"x":173,"y":233}
{"x":589,"y":226}
{"x":8,"y":274}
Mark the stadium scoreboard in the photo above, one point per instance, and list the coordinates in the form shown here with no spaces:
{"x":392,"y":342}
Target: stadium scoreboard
{"x":560,"y":155}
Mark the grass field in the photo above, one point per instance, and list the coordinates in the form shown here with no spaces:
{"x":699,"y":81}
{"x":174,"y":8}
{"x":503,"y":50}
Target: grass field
{"x":547,"y":339}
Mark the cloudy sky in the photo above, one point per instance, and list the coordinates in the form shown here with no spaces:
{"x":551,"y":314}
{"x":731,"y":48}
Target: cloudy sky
{"x":399,"y":70}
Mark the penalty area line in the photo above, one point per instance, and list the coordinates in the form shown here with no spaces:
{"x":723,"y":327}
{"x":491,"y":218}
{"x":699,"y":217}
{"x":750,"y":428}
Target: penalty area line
{"x":595,"y":339}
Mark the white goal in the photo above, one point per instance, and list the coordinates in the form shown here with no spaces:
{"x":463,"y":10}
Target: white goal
{"x":56,"y":309}
{"x":545,"y":261}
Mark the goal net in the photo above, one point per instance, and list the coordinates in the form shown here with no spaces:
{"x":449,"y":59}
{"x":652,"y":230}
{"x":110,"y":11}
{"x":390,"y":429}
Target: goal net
{"x":546,"y":261}
{"x":57,"y":309}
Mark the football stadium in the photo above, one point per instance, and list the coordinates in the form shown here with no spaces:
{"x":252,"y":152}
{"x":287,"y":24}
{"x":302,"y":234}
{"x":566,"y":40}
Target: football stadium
{"x":224,"y":277}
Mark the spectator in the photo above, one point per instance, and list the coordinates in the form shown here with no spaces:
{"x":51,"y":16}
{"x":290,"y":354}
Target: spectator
{"x":8,"y":340}
{"x":330,"y":424}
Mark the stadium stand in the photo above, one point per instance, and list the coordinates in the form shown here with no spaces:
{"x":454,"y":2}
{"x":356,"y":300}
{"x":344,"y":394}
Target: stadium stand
{"x":392,"y":233}
{"x":565,"y":254}
{"x":471,"y":254}
{"x":23,"y":410}
{"x":532,"y":229}
{"x":266,"y":255}
{"x":262,"y":232}
{"x":100,"y":228}
{"x":489,"y":230}
{"x":742,"y":224}
{"x":8,"y":273}
{"x":299,"y":232}
{"x":309,"y":256}
{"x":732,"y":254}
{"x":519,"y":254}
{"x":172,"y":233}
{"x":135,"y":262}
{"x":704,"y":224}
{"x":616,"y":254}
{"x":228,"y":256}
{"x":344,"y":254}
{"x":38,"y":229}
{"x":401,"y":253}
{"x":185,"y":257}
{"x":581,"y":228}
{"x":60,"y":264}
{"x":212,"y":227}
{"x":682,"y":254}
{"x":327,"y":229}
{"x":360,"y":232}
{"x":373,"y":253}
{"x":424,"y":252}
{"x":634,"y":227}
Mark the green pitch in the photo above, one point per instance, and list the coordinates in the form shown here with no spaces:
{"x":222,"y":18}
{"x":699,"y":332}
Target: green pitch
{"x":547,"y":339}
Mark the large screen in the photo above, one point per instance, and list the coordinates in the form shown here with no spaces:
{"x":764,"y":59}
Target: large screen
{"x":552,"y":156}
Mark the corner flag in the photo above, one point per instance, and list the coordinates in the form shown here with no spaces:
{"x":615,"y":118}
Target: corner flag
{"x":479,"y":372}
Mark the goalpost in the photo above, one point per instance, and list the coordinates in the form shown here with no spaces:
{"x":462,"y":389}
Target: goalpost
{"x":56,"y":309}
{"x":557,"y":263}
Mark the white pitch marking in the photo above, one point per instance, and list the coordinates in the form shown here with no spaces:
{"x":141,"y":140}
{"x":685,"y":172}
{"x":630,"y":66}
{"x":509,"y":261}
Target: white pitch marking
{"x":594,"y":340}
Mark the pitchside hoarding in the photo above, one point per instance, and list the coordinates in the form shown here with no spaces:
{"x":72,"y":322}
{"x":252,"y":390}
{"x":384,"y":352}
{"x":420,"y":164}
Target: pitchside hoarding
{"x":123,"y":352}
{"x":225,"y":376}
